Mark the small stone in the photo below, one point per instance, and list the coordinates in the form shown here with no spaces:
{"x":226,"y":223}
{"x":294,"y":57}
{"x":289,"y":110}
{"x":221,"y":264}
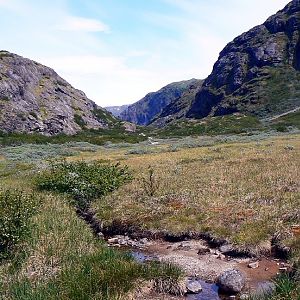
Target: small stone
{"x":100,"y":235}
{"x":203,"y":250}
{"x":226,"y":248}
{"x":185,"y":246}
{"x":193,"y":287}
{"x":253,"y":265}
{"x":266,"y":269}
{"x":244,"y":297}
{"x":221,"y":256}
{"x":283,"y":269}
{"x":113,"y":240}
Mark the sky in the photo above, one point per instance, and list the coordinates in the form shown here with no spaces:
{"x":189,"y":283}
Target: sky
{"x":117,"y":51}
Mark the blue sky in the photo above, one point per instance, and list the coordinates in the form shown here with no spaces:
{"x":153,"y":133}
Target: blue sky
{"x":116,"y":51}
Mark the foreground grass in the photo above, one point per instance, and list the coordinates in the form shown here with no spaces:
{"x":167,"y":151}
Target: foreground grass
{"x":61,"y":259}
{"x":246,"y":192}
{"x":241,"y":188}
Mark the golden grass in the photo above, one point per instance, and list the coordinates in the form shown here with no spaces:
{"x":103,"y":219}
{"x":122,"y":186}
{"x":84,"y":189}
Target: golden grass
{"x":243,"y":191}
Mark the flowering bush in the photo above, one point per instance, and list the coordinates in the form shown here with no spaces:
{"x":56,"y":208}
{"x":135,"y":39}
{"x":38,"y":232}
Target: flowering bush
{"x":83,"y":181}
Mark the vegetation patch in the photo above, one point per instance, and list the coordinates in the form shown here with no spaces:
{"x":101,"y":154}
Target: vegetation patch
{"x":16,"y":210}
{"x":79,"y":120}
{"x":83,"y":181}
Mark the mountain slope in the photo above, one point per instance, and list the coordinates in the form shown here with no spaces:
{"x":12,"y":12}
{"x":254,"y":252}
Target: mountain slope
{"x":34,"y":99}
{"x":143,"y":111}
{"x":116,"y":110}
{"x":258,"y":72}
{"x":177,"y":109}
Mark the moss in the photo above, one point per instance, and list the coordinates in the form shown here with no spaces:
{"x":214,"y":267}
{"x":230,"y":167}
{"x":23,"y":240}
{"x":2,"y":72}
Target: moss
{"x":79,"y":120}
{"x":4,"y":99}
{"x":5,"y":54}
{"x":105,"y":116}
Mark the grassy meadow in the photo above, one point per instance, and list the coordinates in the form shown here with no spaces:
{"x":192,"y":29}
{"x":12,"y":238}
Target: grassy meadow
{"x":244,"y":188}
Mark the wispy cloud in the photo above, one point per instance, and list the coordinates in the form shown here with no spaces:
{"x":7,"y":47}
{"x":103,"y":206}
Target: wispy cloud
{"x":151,"y":43}
{"x":72,"y":23}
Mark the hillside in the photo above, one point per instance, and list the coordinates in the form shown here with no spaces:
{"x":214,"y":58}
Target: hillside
{"x":34,"y":99}
{"x":177,"y":109}
{"x":143,"y":111}
{"x":258,"y":72}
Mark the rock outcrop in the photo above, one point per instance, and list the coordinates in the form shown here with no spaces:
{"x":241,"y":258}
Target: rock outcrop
{"x":34,"y":99}
{"x":258,"y":72}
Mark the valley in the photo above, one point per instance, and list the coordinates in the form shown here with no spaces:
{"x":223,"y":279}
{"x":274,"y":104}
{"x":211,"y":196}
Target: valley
{"x":191,"y":192}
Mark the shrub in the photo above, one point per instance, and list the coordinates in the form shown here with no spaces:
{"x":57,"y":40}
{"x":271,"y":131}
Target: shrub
{"x":79,"y":120}
{"x":83,"y":181}
{"x":150,"y":183}
{"x":16,"y":210}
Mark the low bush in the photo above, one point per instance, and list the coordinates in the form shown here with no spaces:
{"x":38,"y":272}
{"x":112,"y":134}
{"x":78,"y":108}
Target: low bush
{"x":286,"y":287}
{"x":83,"y":181}
{"x":16,"y":210}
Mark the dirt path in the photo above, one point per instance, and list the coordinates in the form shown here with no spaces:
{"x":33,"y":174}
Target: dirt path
{"x":282,"y":115}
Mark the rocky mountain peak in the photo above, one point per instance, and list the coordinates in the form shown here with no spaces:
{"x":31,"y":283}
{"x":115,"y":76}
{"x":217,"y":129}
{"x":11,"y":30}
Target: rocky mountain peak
{"x":35,"y":99}
{"x":267,"y":48}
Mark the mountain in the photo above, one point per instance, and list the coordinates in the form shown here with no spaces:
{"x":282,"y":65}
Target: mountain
{"x":257,"y":73}
{"x":143,"y":111}
{"x":116,"y":110}
{"x":178,"y":108}
{"x":34,"y":99}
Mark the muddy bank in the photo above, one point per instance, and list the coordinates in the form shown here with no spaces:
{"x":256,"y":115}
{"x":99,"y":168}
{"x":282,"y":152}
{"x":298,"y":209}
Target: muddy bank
{"x":200,"y":255}
{"x":269,"y":249}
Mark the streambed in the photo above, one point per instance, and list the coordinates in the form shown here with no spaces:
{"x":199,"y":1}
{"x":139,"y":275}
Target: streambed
{"x":205,"y":267}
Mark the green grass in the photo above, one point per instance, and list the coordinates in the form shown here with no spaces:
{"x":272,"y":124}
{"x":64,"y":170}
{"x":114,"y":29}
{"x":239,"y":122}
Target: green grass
{"x":290,"y":120}
{"x":230,"y":124}
{"x":96,"y":137}
{"x":16,"y":210}
{"x":61,"y":259}
{"x":106,"y":274}
{"x":286,"y":288}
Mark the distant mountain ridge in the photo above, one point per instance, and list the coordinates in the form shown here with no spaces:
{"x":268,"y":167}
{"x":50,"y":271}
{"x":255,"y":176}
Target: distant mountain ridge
{"x":178,"y":108}
{"x":116,"y":110}
{"x":34,"y":99}
{"x":144,"y":111}
{"x":256,"y":74}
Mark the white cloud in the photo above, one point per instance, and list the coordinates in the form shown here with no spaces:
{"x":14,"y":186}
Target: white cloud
{"x":72,"y":23}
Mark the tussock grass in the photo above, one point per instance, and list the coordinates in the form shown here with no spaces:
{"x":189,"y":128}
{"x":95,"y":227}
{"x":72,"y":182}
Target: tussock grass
{"x":61,"y":259}
{"x":245,"y":192}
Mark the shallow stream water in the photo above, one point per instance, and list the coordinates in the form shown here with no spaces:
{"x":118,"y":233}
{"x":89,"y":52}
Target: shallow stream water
{"x":209,"y":290}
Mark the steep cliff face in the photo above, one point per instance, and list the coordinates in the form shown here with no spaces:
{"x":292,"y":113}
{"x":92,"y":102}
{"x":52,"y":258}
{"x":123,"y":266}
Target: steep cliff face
{"x":258,"y":72}
{"x":143,"y":111}
{"x":34,"y":99}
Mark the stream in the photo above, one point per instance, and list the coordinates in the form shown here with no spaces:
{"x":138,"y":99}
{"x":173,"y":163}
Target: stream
{"x":209,"y":290}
